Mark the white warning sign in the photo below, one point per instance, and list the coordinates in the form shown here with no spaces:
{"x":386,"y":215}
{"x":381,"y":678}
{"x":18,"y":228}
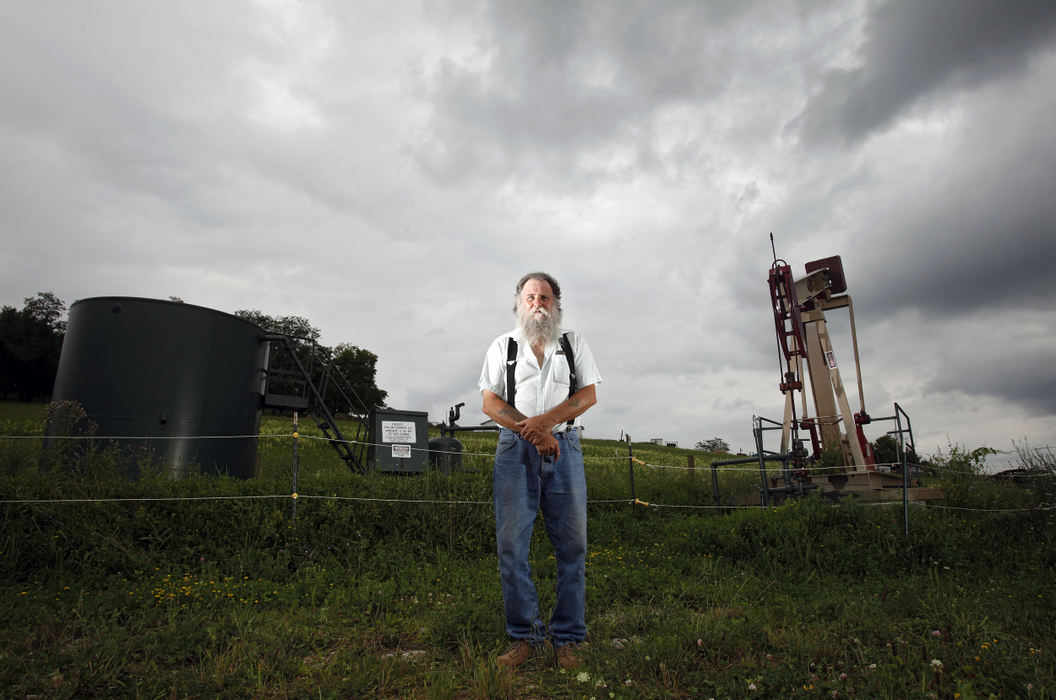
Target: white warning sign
{"x":401,"y":451}
{"x":398,"y":431}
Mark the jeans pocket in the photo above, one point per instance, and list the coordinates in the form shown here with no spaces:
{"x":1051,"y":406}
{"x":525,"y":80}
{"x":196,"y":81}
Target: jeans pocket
{"x":507,"y":439}
{"x":573,"y":441}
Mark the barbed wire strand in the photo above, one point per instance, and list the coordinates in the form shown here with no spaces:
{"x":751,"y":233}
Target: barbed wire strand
{"x":367,"y":499}
{"x":294,"y":496}
{"x":995,"y":510}
{"x":319,"y":438}
{"x":733,"y":469}
{"x":141,"y":437}
{"x":134,"y":499}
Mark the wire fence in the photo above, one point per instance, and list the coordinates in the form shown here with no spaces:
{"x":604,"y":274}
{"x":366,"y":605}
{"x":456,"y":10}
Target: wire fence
{"x":814,"y":469}
{"x":629,"y":459}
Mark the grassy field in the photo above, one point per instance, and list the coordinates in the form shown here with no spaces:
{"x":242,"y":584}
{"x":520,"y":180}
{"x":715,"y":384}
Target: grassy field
{"x":381,"y":586}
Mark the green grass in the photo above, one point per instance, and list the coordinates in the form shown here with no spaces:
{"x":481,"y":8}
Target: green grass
{"x":236,"y":597}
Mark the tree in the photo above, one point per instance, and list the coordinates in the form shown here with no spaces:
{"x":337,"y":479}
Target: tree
{"x":885,"y":451}
{"x":295,"y":327}
{"x":30,"y":343}
{"x":47,"y":310}
{"x":359,"y":367}
{"x":713,"y":445}
{"x":302,"y":335}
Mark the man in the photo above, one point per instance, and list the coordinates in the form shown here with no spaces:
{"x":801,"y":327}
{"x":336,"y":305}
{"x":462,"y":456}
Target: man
{"x":539,"y":464}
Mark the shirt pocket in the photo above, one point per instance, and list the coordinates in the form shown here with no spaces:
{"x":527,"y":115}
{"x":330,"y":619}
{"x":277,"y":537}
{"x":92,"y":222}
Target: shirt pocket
{"x":560,"y":373}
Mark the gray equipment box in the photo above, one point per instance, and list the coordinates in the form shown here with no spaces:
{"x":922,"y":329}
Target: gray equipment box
{"x":399,"y":441}
{"x":445,"y":453}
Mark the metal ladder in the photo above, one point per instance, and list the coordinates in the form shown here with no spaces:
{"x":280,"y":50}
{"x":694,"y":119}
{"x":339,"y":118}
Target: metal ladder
{"x":298,"y":376}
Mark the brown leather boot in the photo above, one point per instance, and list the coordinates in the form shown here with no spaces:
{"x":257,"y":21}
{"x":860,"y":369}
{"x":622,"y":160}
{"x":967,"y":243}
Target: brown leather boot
{"x":517,"y":653}
{"x":566,"y":657}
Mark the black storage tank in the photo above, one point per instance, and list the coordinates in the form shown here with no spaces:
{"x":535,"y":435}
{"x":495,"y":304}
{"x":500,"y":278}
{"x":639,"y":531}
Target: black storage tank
{"x":145,"y":369}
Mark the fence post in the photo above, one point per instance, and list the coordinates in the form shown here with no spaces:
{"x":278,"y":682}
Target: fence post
{"x":630,"y":467}
{"x":296,"y":463}
{"x":758,"y":431}
{"x":714,"y":482}
{"x":905,"y":469}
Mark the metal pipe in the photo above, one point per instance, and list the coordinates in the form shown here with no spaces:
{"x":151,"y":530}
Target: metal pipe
{"x":479,"y":428}
{"x":750,"y":460}
{"x":758,"y":431}
{"x":905,"y":481}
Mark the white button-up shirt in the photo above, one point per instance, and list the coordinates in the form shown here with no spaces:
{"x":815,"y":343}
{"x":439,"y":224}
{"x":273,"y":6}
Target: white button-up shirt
{"x":538,"y":389}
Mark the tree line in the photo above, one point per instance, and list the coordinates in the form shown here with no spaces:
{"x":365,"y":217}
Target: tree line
{"x":31,"y":341}
{"x":358,"y":365}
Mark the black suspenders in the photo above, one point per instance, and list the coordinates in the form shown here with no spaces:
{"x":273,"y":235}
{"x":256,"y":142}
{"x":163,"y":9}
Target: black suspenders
{"x":566,"y":345}
{"x":511,"y":368}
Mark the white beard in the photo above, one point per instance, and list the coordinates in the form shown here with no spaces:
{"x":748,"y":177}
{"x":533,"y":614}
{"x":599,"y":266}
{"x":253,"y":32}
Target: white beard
{"x":540,"y":328}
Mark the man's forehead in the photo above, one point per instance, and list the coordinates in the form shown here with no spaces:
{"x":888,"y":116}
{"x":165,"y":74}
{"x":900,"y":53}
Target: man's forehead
{"x":534,"y":286}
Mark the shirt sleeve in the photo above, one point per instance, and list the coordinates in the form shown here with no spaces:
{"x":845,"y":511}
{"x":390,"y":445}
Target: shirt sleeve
{"x":493,"y":373}
{"x":586,"y":370}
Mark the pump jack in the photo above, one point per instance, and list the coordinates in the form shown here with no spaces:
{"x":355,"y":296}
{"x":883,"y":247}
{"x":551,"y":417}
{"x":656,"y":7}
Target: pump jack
{"x":799,"y":316}
{"x":799,"y":307}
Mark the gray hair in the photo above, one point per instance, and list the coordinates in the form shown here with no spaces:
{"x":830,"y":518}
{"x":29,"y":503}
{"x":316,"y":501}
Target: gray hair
{"x":542,"y":277}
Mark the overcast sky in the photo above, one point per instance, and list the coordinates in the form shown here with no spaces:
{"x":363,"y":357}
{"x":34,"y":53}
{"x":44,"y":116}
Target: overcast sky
{"x":389,"y":169}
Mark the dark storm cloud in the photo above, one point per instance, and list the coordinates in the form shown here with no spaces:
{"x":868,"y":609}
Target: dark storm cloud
{"x":555,"y":84}
{"x":1002,"y":368}
{"x":983,"y":238}
{"x":915,"y":49}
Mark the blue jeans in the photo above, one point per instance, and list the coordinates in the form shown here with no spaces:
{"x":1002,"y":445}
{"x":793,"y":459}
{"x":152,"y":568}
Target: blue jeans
{"x":524,"y":482}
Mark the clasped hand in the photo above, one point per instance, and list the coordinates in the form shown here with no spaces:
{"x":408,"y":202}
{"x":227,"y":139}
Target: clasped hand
{"x":538,"y":432}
